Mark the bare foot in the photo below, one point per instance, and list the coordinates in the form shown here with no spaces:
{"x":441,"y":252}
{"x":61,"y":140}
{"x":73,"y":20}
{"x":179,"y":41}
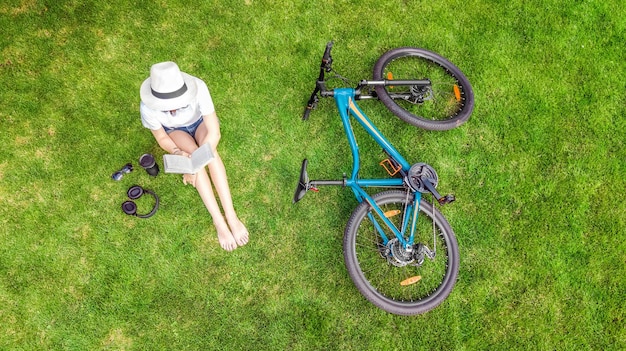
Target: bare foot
{"x":240,"y":233}
{"x":225,"y":237}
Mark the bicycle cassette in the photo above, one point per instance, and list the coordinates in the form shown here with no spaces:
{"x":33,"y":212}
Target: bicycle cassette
{"x":420,"y":172}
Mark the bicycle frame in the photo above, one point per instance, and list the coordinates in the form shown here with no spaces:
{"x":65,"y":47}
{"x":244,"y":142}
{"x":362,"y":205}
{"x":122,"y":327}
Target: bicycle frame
{"x":345,"y":99}
{"x":390,"y":232}
{"x":414,"y":178}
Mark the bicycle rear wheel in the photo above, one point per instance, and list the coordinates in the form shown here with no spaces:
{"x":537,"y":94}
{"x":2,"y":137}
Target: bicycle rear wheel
{"x":445,"y":104}
{"x":387,"y":275}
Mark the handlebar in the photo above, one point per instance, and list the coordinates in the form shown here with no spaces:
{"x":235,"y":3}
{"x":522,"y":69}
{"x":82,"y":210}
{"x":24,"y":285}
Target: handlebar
{"x":326,"y":66}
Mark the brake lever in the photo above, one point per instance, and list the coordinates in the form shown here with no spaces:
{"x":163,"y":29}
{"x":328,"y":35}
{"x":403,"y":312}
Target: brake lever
{"x":327,"y":59}
{"x":311,"y":105}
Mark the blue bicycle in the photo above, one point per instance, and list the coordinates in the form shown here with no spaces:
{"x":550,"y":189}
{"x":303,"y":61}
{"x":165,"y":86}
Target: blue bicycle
{"x":399,"y":250}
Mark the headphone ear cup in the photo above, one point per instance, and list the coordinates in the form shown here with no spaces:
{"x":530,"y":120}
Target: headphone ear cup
{"x":134,"y":192}
{"x":130,"y":208}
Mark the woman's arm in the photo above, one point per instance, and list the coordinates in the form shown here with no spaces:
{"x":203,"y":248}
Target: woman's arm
{"x":165,"y":142}
{"x":213,"y":135}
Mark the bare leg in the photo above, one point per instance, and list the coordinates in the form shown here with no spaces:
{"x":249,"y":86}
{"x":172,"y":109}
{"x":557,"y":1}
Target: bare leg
{"x":218,"y":174}
{"x":203,"y":184}
{"x":220,"y":181}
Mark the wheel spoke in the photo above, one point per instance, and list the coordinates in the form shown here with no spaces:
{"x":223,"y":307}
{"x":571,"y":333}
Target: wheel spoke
{"x":446,"y":103}
{"x":387,"y":269}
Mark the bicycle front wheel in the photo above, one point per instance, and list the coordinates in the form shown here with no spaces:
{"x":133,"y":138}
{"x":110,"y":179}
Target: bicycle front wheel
{"x":396,"y":280}
{"x":445,"y":104}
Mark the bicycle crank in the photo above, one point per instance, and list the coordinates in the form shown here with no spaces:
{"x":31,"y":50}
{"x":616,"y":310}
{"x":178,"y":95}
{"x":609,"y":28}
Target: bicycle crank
{"x":423,"y":178}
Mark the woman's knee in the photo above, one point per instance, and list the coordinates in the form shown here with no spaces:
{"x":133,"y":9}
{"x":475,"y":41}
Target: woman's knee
{"x":184,"y":141}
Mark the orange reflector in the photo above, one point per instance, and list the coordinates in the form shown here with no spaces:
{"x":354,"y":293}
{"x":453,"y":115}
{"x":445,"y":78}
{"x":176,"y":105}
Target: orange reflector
{"x":392,"y":213}
{"x":411,"y":280}
{"x":390,"y":77}
{"x":457,"y":93}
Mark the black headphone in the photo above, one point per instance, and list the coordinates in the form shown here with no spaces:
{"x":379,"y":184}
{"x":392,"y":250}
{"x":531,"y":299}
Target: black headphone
{"x":135,"y":192}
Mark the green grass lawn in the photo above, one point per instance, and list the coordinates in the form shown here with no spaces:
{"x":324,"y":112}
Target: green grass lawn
{"x":538,"y":172}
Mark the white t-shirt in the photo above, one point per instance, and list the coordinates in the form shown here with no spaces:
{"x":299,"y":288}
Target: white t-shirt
{"x":202,"y":105}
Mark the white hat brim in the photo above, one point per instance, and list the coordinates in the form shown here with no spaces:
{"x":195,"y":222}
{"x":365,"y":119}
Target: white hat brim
{"x":158,"y":104}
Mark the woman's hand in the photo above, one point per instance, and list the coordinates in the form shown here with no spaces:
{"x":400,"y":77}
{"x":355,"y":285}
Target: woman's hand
{"x":180,"y":152}
{"x":189,"y":179}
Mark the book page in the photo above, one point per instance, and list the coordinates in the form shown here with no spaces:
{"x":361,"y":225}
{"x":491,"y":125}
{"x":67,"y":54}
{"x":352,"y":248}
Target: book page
{"x":201,"y":157}
{"x":176,"y":164}
{"x":187,"y":165}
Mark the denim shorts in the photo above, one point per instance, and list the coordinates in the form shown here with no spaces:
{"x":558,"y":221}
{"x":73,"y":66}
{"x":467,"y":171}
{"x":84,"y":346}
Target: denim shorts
{"x":190,"y":129}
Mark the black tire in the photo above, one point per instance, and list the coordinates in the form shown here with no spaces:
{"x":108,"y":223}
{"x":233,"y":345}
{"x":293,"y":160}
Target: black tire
{"x":449,"y":101}
{"x":378,"y":280}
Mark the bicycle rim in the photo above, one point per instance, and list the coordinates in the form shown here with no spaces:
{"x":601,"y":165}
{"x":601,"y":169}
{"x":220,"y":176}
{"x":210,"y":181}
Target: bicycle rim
{"x":445,"y":104}
{"x":409,"y":289}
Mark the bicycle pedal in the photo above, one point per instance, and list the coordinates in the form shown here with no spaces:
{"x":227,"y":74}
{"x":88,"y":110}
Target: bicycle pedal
{"x":391,"y":167}
{"x":446,"y":199}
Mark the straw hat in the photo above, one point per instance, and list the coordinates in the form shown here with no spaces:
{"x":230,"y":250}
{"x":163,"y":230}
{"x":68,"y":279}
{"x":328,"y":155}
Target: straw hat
{"x":167,"y":88}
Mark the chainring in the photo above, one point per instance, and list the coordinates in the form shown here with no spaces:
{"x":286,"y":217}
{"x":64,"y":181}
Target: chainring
{"x":419,"y":171}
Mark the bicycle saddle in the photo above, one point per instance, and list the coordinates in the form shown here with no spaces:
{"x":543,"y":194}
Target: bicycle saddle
{"x":303,"y":183}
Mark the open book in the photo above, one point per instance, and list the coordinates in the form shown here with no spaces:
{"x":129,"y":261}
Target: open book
{"x":183,"y":164}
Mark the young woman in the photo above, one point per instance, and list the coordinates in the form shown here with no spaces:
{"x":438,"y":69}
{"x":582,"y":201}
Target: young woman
{"x":178,"y":109}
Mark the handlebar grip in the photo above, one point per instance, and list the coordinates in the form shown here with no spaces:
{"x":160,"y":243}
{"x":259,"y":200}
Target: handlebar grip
{"x":307,"y":112}
{"x":329,"y":47}
{"x":327,"y":59}
{"x":310,"y":105}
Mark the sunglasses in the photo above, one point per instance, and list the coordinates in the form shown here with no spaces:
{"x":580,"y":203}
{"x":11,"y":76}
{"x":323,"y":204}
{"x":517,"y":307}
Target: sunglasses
{"x":176,"y":110}
{"x":120,"y":174}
